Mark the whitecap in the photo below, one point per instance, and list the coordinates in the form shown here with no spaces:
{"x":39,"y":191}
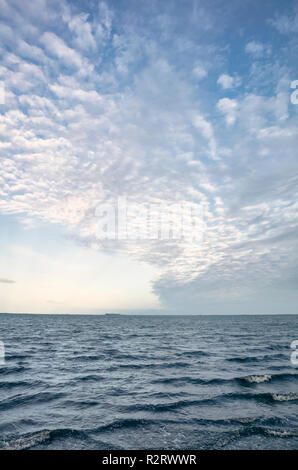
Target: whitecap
{"x":257,"y":378}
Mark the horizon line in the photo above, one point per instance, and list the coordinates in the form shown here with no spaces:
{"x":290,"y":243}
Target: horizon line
{"x":155,"y":314}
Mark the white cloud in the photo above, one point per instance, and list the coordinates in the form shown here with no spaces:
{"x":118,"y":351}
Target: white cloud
{"x":30,"y":51}
{"x":207,"y":131}
{"x":286,"y":24}
{"x":229,"y":108}
{"x":227,"y":81}
{"x":82,"y":29}
{"x":257,"y":49}
{"x":200,"y":72}
{"x":57,"y":47}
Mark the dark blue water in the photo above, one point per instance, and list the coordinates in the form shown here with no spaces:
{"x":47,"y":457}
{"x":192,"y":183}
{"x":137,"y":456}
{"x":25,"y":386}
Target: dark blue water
{"x":128,"y":382}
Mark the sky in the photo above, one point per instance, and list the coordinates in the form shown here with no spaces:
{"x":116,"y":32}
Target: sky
{"x":162,"y":104}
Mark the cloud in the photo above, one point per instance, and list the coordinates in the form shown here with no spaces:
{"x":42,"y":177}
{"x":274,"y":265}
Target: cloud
{"x":82,"y":29}
{"x":229,"y":108}
{"x":57,"y":47}
{"x":106,"y":105}
{"x":257,"y":49}
{"x":200,"y":72}
{"x":6,"y":281}
{"x":227,"y":81}
{"x":286,"y":24}
{"x":207,"y":131}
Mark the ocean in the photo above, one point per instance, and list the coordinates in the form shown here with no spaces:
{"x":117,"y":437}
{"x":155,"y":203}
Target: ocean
{"x":148,"y":382}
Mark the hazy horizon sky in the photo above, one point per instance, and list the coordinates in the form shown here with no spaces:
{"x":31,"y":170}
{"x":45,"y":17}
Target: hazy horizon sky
{"x":158,"y":102}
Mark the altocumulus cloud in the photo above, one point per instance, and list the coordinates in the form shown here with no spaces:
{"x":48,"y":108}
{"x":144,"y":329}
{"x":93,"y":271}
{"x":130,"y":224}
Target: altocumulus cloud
{"x":101,"y":101}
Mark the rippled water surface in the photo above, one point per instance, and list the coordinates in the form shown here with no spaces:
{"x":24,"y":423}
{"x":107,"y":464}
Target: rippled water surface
{"x":144,"y":382}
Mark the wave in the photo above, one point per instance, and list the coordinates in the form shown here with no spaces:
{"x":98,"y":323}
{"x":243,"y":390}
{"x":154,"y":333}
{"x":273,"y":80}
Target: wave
{"x":164,"y":407}
{"x":256,"y":378}
{"x":127,"y":423}
{"x":22,"y":400}
{"x":52,"y":436}
{"x":197,"y":353}
{"x":242,"y":359}
{"x":281,"y":432}
{"x":175,"y":405}
{"x":9,"y":385}
{"x":46,"y":436}
{"x":267,"y":396}
{"x":59,"y":437}
{"x":16,"y":357}
{"x":86,"y":378}
{"x":259,"y":378}
{"x":265,"y":357}
{"x":80,"y":404}
{"x":26,"y":441}
{"x":189,"y":380}
{"x":249,"y":379}
{"x":164,"y":365}
{"x":244,"y":421}
{"x":284,"y":396}
{"x":12,"y":370}
{"x":248,"y":431}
